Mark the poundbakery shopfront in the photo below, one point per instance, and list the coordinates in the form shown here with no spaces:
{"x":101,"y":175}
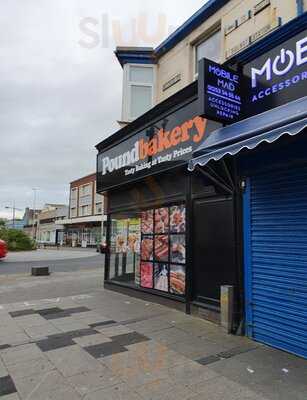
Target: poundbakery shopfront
{"x":269,"y":150}
{"x":195,"y":204}
{"x":170,"y":233}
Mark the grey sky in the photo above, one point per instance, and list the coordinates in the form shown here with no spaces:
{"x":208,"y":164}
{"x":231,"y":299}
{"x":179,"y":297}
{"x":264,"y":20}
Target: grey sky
{"x":58,"y":97}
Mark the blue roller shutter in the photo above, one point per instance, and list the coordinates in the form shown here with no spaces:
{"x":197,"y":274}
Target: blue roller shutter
{"x":275,"y":225}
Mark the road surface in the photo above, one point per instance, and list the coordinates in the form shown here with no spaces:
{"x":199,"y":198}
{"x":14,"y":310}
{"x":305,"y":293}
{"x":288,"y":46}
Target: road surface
{"x":57,"y":260}
{"x":73,"y":271}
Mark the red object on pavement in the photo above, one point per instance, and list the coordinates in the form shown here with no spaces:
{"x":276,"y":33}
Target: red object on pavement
{"x":3,"y":249}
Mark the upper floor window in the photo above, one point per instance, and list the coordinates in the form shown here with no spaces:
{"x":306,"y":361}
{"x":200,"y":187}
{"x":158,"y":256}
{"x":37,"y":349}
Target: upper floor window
{"x":85,"y":190}
{"x":98,"y":208}
{"x":73,"y":197}
{"x":138,"y":91}
{"x":73,"y":193}
{"x":85,"y":210}
{"x":209,"y":48}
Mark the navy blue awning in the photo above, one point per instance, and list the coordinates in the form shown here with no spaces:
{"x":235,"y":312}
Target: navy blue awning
{"x":269,"y":126}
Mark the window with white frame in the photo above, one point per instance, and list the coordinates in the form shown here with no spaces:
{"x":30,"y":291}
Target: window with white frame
{"x":85,"y":190}
{"x":73,"y":193}
{"x":73,"y":212}
{"x":138,"y":90}
{"x":84,"y":210}
{"x":209,"y":48}
{"x":73,"y":197}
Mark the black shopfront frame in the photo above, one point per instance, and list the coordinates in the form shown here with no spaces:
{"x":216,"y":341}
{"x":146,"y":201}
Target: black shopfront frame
{"x":211,"y":184}
{"x":156,"y":203}
{"x":190,"y":194}
{"x":228,"y":182}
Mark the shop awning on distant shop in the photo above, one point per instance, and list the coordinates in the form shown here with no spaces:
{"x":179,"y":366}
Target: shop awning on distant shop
{"x":81,"y":220}
{"x":289,"y":119}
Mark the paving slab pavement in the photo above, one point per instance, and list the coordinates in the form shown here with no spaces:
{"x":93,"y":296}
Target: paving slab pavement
{"x":105,"y":345}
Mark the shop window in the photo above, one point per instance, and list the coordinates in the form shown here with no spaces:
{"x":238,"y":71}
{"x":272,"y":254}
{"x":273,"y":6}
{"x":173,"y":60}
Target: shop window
{"x":125,"y":248}
{"x":209,"y":48}
{"x":148,"y":249}
{"x":138,"y":90}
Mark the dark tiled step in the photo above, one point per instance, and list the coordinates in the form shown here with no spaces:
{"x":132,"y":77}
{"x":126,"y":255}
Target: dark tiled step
{"x":7,"y":386}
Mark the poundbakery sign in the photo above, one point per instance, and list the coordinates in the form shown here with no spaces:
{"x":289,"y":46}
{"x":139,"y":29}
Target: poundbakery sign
{"x":165,"y":144}
{"x":179,"y":140}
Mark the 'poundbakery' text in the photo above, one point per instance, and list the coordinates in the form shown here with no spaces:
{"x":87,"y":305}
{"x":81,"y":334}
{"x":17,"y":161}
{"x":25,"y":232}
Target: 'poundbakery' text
{"x":190,"y":131}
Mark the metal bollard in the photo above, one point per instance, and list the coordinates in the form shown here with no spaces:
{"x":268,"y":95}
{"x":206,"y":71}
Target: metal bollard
{"x":227,"y":307}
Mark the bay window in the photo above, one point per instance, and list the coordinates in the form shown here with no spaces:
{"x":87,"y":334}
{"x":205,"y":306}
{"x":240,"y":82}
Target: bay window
{"x":138,"y":90}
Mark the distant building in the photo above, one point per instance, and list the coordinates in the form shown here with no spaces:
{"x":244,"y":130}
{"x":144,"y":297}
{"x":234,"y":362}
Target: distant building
{"x":14,"y":224}
{"x":86,"y":223}
{"x":50,"y":230}
{"x":30,"y":222}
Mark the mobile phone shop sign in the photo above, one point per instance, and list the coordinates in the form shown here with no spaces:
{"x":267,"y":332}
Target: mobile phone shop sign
{"x":220,"y":92}
{"x":278,"y":76}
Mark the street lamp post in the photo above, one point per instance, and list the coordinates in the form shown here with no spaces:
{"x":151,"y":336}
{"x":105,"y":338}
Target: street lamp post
{"x":34,"y":205}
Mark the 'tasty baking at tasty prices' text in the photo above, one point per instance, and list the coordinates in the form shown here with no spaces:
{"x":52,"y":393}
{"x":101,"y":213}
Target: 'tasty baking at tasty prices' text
{"x":162,"y":141}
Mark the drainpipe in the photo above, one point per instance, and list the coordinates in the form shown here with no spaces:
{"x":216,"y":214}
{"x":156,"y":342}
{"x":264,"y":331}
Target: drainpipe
{"x":300,"y":7}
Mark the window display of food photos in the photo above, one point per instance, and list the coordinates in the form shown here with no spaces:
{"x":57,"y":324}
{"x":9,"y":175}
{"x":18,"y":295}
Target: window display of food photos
{"x":177,"y":219}
{"x":161,"y":277}
{"x":121,"y":243}
{"x":161,"y":248}
{"x":147,"y":222}
{"x":177,"y":245}
{"x":137,"y":276}
{"x":177,"y":279}
{"x":121,"y":236}
{"x":147,"y":248}
{"x":147,"y":275}
{"x":162,"y":220}
{"x":134,"y":235}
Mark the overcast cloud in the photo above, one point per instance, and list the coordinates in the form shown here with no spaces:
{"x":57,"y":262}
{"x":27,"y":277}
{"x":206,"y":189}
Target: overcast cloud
{"x":60,"y":86}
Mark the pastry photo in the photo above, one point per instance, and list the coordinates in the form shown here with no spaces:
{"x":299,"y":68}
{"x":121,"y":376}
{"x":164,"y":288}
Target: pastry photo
{"x":146,"y":275}
{"x":161,"y":247}
{"x":162,"y":220}
{"x":177,"y":279}
{"x":147,"y":218}
{"x":178,"y":249}
{"x":177,"y":219}
{"x":147,"y":248}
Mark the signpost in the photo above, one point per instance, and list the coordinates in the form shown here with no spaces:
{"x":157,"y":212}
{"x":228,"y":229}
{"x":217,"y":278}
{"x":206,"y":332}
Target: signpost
{"x":272,"y":79}
{"x":220,"y":92}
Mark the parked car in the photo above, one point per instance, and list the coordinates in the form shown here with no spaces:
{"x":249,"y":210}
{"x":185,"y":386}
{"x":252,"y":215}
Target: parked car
{"x":3,"y":249}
